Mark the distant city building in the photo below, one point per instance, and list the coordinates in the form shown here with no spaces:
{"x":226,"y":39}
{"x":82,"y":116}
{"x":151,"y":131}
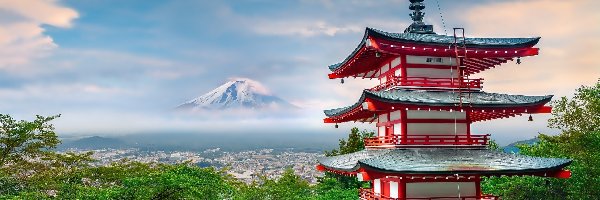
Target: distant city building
{"x":423,"y":109}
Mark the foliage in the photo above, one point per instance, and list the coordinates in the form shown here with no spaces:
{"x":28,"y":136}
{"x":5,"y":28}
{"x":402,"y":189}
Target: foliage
{"x":288,"y":186}
{"x":579,"y":120}
{"x":330,"y":187}
{"x":21,"y":141}
{"x":579,"y":115}
{"x":494,"y":146}
{"x":354,"y":143}
{"x":344,"y":184}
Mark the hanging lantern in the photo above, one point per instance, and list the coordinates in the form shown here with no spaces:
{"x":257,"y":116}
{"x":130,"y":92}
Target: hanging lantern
{"x":530,"y":118}
{"x":336,"y":126}
{"x":518,"y":60}
{"x":342,"y":81}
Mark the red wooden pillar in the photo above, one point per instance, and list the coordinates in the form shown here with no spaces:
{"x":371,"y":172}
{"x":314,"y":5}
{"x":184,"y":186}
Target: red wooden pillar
{"x":478,"y":187}
{"x":402,"y":190}
{"x":403,"y":125}
{"x":468,"y":124}
{"x":389,"y":129}
{"x":403,"y":68}
{"x":468,"y":121}
{"x":385,"y":186}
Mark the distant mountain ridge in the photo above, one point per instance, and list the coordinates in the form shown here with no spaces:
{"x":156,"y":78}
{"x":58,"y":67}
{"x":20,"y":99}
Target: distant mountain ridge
{"x":237,"y":93}
{"x":512,"y":147}
{"x":94,"y":142}
{"x":313,"y":142}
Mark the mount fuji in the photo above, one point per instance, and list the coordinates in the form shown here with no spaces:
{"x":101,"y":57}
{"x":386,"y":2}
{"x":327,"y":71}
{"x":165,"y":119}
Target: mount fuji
{"x":237,"y":93}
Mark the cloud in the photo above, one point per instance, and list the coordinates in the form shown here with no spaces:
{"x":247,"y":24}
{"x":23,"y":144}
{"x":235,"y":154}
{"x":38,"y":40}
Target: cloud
{"x":568,"y":49}
{"x":21,"y":34}
{"x":302,"y":28}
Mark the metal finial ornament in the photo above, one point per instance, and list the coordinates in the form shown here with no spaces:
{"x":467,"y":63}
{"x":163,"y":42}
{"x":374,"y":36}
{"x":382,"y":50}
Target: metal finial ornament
{"x":530,"y":118}
{"x":418,"y":26}
{"x":416,"y":6}
{"x":518,"y":60}
{"x":342,"y":81}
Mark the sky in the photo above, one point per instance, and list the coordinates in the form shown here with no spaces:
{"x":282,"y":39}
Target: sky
{"x":120,"y":67}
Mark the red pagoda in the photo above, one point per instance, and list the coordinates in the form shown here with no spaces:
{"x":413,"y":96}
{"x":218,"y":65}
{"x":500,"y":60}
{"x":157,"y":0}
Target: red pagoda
{"x":423,"y":109}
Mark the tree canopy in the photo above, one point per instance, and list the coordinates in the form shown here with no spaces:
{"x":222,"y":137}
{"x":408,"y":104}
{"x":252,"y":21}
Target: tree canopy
{"x":579,"y":120}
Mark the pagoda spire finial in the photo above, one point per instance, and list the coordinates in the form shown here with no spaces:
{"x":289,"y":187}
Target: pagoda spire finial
{"x":418,"y":26}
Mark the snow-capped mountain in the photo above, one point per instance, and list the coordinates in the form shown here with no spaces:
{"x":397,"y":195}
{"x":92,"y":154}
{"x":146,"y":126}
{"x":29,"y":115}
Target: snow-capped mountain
{"x":237,"y":93}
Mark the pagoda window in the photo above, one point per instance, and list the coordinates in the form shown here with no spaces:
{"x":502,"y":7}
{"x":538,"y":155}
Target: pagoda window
{"x":396,"y":62}
{"x":381,"y":131}
{"x":395,"y":115}
{"x":398,"y":73}
{"x":434,"y":60}
{"x":377,"y":186}
{"x":393,"y":189}
{"x":383,"y":118}
{"x":398,"y":129}
{"x":385,"y":68}
{"x":370,"y":73}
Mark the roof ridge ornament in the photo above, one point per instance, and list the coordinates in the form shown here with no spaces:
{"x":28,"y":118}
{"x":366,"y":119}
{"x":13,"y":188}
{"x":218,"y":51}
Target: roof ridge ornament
{"x":418,"y":26}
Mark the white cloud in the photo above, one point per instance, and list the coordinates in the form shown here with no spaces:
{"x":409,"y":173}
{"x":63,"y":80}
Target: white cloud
{"x":23,"y":38}
{"x":301,"y":28}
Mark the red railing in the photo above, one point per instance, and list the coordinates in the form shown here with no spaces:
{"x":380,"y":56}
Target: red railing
{"x":367,"y":194}
{"x":430,"y":82}
{"x":396,"y":140}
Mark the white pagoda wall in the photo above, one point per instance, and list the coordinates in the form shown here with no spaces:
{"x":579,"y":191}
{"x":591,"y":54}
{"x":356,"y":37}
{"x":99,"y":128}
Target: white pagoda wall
{"x":436,"y":129}
{"x":431,"y":60}
{"x":450,"y":128}
{"x":431,"y":73}
{"x":392,"y":68}
{"x":440,"y":189}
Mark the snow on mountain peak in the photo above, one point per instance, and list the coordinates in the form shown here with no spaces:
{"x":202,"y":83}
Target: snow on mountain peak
{"x":236,"y":93}
{"x":249,"y":84}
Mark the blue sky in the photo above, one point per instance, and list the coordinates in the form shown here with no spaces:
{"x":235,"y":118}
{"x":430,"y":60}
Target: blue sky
{"x":119,"y":66}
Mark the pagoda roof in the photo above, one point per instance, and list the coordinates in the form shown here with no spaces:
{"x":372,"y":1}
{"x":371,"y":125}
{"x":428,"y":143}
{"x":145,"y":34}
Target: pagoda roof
{"x":444,"y":99}
{"x":442,"y":161}
{"x":390,"y":43}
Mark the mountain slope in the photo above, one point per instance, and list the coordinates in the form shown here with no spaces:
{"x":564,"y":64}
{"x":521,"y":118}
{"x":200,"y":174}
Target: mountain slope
{"x":95,"y":142}
{"x":512,"y":148}
{"x":236,"y":93}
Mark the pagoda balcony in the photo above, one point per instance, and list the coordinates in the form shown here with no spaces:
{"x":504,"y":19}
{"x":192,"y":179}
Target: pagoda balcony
{"x":367,"y":194}
{"x":427,"y":141}
{"x":448,"y":83}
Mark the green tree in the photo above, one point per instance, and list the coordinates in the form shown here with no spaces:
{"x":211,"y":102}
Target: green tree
{"x":354,"y":143}
{"x":21,"y":141}
{"x":346,"y":185}
{"x":289,"y":186}
{"x":578,"y":115}
{"x":579,"y":120}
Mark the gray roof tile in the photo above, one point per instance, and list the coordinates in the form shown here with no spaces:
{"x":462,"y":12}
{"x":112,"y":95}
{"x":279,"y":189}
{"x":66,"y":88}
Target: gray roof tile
{"x":444,"y":40}
{"x":443,"y":98}
{"x":443,"y":161}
